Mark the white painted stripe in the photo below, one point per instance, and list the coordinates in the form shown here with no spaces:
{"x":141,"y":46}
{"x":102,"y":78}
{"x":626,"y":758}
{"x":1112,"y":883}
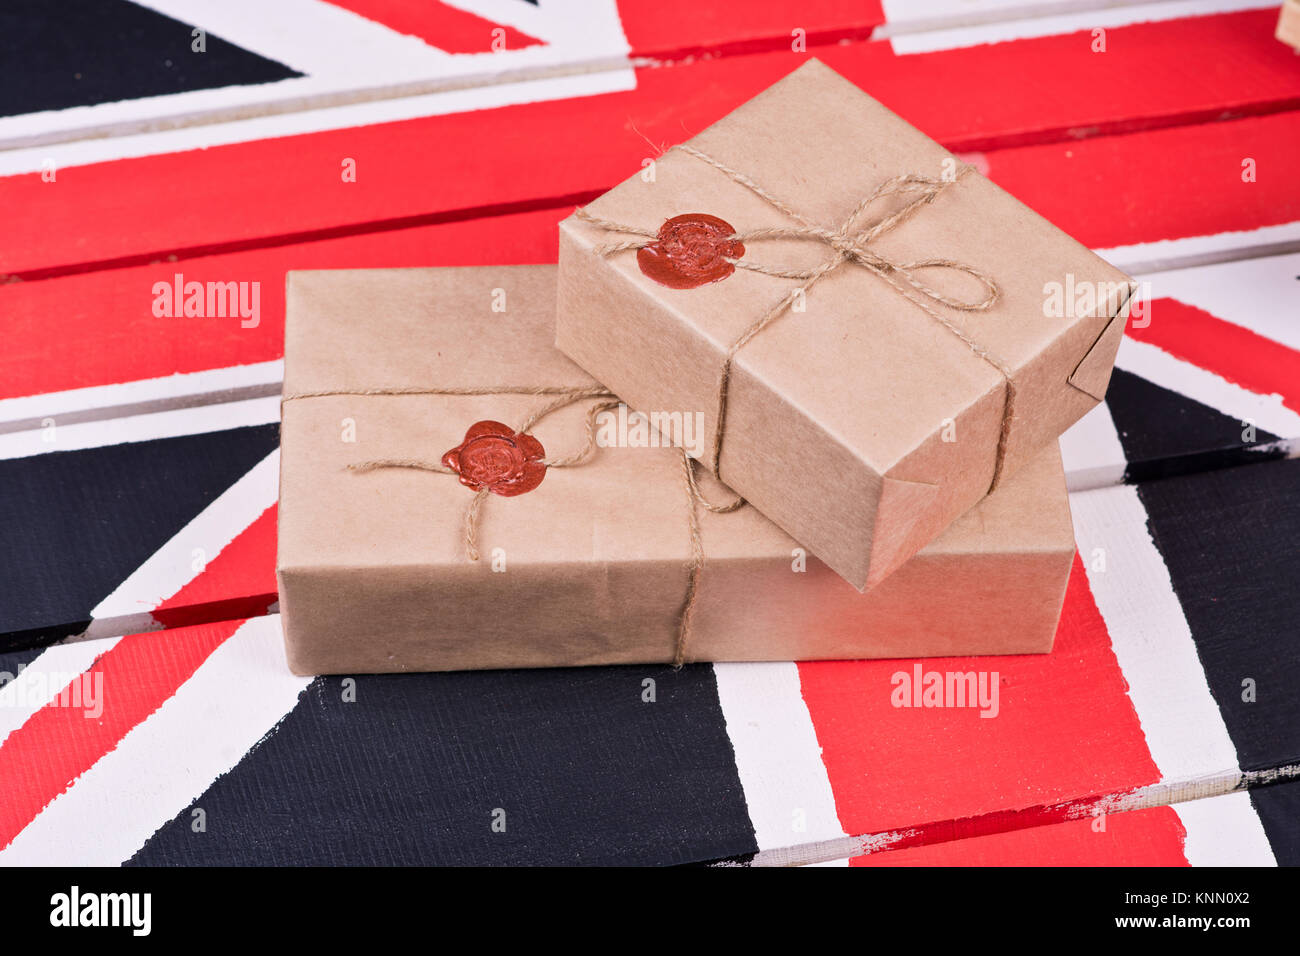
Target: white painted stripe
{"x":305,"y":35}
{"x":1158,"y":366}
{"x":911,"y":16}
{"x":1150,"y":636}
{"x":926,"y":35}
{"x":777,"y":755}
{"x":181,"y":559}
{"x":1092,"y":453}
{"x":82,"y":152}
{"x":167,"y":761}
{"x":1261,"y":294}
{"x":1193,"y":251}
{"x":39,"y":682}
{"x":145,"y":395}
{"x":1224,"y":831}
{"x":136,"y":428}
{"x":347,"y":59}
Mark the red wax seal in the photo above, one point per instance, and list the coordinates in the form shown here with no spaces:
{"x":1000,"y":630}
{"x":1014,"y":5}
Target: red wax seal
{"x":691,"y":251}
{"x":496,"y":457}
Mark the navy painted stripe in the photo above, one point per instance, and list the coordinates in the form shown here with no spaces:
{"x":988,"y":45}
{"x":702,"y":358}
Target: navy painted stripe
{"x":78,"y":523}
{"x":12,"y":662}
{"x":1164,"y":434}
{"x":1278,"y":806}
{"x":1231,"y":542}
{"x":81,"y":52}
{"x":412,"y":772}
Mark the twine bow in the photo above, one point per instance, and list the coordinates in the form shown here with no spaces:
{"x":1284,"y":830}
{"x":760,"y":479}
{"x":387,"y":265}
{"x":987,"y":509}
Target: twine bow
{"x":564,"y":397}
{"x":848,"y":246}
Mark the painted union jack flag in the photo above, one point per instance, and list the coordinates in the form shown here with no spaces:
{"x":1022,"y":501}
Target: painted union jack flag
{"x":146,"y":712}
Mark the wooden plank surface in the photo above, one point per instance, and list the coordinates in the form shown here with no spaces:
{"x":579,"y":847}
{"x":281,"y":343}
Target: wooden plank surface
{"x":137,"y":454}
{"x":186,"y":204}
{"x":1169,"y":681}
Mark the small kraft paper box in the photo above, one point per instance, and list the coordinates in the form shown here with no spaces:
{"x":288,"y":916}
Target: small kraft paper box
{"x":1288,"y":24}
{"x":876,"y":334}
{"x":605,"y":558}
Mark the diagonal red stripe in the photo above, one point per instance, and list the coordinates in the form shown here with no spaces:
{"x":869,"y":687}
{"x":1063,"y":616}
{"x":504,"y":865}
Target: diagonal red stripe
{"x":440,"y":25}
{"x":1153,"y":837}
{"x":1066,"y":735}
{"x":237,"y":583}
{"x":57,"y":744}
{"x":1236,"y":353}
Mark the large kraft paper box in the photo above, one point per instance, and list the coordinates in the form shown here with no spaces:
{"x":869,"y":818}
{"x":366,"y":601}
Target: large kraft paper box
{"x":887,"y":392}
{"x":591,"y":566}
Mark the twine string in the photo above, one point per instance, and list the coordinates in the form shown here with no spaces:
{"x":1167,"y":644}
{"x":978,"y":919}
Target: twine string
{"x":564,"y":397}
{"x":847,"y":246}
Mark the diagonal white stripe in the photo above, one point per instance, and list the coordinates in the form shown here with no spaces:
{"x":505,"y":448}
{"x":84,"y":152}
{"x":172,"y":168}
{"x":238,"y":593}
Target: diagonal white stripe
{"x":166,"y":762}
{"x":1224,"y":831}
{"x":1150,"y":636}
{"x":181,"y":559}
{"x":1092,"y":453}
{"x":26,"y":692}
{"x":347,"y":59}
{"x":1158,"y":366}
{"x":777,"y":755}
{"x":1260,"y":294}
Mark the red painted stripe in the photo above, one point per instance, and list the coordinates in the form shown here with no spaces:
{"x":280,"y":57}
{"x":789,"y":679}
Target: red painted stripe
{"x":139,"y":673}
{"x":238,"y":583}
{"x":1066,"y":736}
{"x":439,"y":25}
{"x":289,"y":189}
{"x":1120,"y":193}
{"x":1164,"y":184}
{"x":1055,"y":88}
{"x":680,"y":29}
{"x":107,"y":332}
{"x":1241,"y":356}
{"x":1153,"y":837}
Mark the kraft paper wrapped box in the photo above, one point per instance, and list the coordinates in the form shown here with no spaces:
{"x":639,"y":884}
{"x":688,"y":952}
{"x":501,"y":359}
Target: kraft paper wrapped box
{"x":592,"y":564}
{"x":1288,"y":23}
{"x":872,"y":322}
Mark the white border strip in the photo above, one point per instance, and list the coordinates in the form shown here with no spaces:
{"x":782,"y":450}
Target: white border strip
{"x":145,"y":395}
{"x":137,"y":428}
{"x":1192,"y":252}
{"x":926,"y":28}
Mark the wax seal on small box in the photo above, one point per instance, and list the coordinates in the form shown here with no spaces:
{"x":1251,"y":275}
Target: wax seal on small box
{"x":496,"y":457}
{"x":691,"y":250}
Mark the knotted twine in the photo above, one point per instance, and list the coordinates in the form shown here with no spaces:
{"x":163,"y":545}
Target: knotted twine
{"x":564,"y":397}
{"x":848,"y":247}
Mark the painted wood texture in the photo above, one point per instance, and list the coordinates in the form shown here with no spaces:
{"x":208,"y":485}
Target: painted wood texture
{"x":508,"y":156}
{"x":137,"y":457}
{"x":1170,"y":681}
{"x":1191,"y":392}
{"x":1255,"y":828}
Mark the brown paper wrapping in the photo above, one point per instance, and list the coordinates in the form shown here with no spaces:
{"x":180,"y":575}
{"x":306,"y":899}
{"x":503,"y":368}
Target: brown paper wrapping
{"x":861,"y":426}
{"x":1288,"y":23}
{"x":372,"y":567}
